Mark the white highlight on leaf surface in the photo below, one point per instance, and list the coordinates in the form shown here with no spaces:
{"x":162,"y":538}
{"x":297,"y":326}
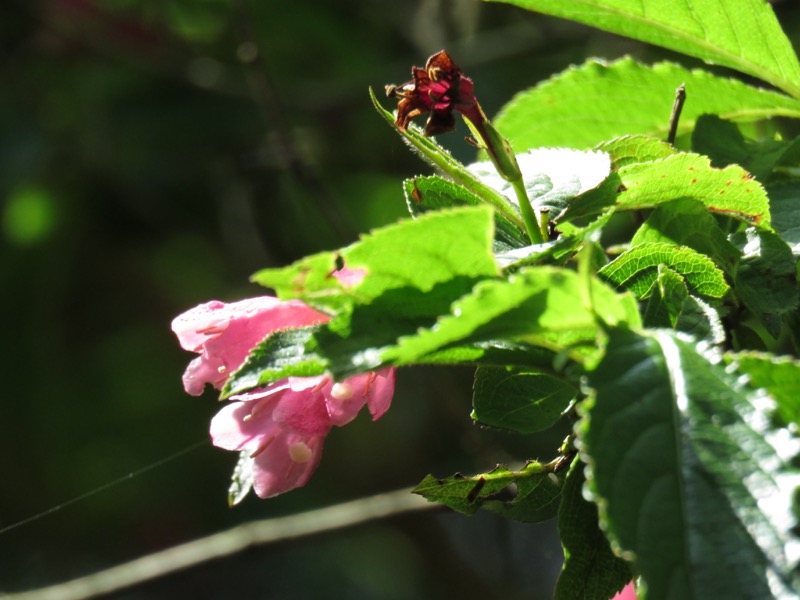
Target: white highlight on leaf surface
{"x":552,"y":176}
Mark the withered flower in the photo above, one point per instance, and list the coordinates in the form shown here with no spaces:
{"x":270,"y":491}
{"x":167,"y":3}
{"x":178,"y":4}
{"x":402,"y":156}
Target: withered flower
{"x":438,"y":89}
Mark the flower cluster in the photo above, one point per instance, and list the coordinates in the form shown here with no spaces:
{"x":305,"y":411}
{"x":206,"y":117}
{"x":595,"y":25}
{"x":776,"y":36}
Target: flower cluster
{"x":281,"y":426}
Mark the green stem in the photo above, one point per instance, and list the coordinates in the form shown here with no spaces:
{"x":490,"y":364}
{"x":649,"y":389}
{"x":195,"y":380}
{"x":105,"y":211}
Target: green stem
{"x":532,"y":225}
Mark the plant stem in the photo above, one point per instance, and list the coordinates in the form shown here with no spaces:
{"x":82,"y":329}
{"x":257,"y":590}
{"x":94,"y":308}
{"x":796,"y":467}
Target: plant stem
{"x":532,"y":225}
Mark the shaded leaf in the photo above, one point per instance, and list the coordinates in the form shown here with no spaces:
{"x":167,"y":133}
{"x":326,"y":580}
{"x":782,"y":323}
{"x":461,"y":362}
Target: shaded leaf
{"x":692,"y":481}
{"x":535,"y":499}
{"x":766,"y":278}
{"x":522,"y":401}
{"x":785,"y":207}
{"x":725,"y":144}
{"x":591,"y":571}
{"x":778,"y":375}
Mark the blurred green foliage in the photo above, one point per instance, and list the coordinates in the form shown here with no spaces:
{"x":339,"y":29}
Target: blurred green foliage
{"x":154,"y":154}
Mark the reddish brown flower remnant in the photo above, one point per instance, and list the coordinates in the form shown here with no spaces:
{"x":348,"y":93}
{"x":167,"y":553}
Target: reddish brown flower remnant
{"x":438,"y":89}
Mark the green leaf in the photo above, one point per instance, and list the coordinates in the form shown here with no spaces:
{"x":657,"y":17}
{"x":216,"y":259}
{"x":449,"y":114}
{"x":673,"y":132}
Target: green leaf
{"x":740,"y":34}
{"x":439,"y":158}
{"x":425,"y":194}
{"x":424,"y":257}
{"x":630,"y":149}
{"x":693,"y":482}
{"x":537,"y":496}
{"x":552,"y":176}
{"x":730,"y":191}
{"x":778,"y":375}
{"x":594,"y":102}
{"x":241,"y":479}
{"x":785,"y":207}
{"x":522,"y":401}
{"x":672,"y":306}
{"x":288,"y":353}
{"x":687,"y":222}
{"x":636,"y":270}
{"x":766,"y":277}
{"x":724,"y":143}
{"x":591,"y":571}
{"x":543,"y":306}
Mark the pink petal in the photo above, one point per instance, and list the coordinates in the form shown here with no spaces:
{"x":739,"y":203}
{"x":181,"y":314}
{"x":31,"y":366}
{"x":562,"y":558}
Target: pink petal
{"x":303,"y":411}
{"x":287,"y":463}
{"x":350,"y":277}
{"x":225,"y":334}
{"x":381,"y":391}
{"x":627,"y":593}
{"x":245,"y":425}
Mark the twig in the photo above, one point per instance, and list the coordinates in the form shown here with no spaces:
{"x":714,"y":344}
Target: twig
{"x":677,"y":107}
{"x":227,"y":543}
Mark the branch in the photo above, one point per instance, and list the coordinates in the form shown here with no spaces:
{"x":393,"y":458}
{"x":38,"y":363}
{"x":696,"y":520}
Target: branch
{"x":227,"y":543}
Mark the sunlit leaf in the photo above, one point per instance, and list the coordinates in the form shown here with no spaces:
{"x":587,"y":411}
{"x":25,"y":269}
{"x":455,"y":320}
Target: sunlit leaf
{"x":637,"y":269}
{"x":740,"y":34}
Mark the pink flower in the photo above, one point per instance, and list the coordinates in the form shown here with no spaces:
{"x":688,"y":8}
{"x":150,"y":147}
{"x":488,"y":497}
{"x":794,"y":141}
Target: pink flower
{"x":281,"y":426}
{"x":223,"y":334}
{"x":627,"y":593}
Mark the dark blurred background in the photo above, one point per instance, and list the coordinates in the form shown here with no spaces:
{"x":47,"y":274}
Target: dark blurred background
{"x":154,"y":154}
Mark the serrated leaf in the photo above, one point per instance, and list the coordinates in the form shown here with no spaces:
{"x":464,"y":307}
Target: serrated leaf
{"x":424,"y":194}
{"x":241,"y":479}
{"x":687,"y":222}
{"x":724,"y":143}
{"x":671,"y":306}
{"x":288,"y":353}
{"x":636,"y":270}
{"x":439,"y":158}
{"x":543,"y":306}
{"x":730,"y":191}
{"x":630,"y":149}
{"x":420,"y":255}
{"x":692,"y":481}
{"x":766,"y":277}
{"x":537,"y":496}
{"x":591,"y":571}
{"x":594,"y":102}
{"x":552,"y":176}
{"x":785,"y":207}
{"x":522,"y":401}
{"x":740,"y":34}
{"x":778,"y":375}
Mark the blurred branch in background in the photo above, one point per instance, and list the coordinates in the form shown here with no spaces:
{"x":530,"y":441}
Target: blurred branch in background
{"x":232,"y":541}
